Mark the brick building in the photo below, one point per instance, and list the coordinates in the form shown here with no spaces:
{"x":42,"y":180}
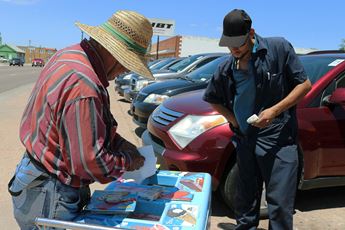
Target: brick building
{"x":32,"y":52}
{"x":182,"y":46}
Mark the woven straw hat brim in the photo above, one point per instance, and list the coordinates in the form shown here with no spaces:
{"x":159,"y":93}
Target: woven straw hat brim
{"x":128,"y":58}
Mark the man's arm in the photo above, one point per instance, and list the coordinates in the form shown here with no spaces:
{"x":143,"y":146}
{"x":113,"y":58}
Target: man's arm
{"x":84,"y":139}
{"x":226,"y":113}
{"x":266,"y":116}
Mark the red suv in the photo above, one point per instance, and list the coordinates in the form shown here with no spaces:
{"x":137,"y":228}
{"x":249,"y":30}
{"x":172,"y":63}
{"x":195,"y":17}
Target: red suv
{"x":188,"y":135}
{"x":38,"y":62}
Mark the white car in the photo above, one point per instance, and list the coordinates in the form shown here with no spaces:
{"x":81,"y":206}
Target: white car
{"x":3,"y":60}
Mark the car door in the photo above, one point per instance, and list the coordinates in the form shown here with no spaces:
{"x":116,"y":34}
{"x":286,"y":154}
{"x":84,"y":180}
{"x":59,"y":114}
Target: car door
{"x":325,"y":148}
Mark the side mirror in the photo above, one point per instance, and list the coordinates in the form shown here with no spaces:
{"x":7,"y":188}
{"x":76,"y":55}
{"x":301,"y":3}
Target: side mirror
{"x":338,"y":97}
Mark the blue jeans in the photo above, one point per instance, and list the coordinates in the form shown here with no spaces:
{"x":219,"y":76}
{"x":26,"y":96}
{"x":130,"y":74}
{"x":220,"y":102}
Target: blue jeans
{"x":49,"y":199}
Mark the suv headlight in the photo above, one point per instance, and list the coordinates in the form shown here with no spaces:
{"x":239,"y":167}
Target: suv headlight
{"x":155,"y":98}
{"x":141,"y":84}
{"x":192,"y":126}
{"x":127,"y":77}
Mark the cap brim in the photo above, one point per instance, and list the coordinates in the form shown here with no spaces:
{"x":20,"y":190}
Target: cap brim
{"x":233,"y":41}
{"x":128,"y":58}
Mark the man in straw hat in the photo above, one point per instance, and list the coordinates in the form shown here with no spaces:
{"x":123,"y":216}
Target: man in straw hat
{"x":67,"y":128}
{"x":263,"y":76}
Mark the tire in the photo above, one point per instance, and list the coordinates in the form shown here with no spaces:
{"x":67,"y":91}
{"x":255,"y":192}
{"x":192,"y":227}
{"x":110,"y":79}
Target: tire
{"x":228,"y":192}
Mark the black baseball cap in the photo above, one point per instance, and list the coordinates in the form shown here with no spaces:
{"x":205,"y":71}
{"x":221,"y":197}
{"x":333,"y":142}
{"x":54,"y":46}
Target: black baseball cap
{"x":236,"y":27}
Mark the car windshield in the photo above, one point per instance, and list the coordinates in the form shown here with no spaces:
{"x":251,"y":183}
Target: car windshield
{"x":317,"y":66}
{"x":162,"y":63}
{"x":184,"y":63}
{"x":206,"y":72}
{"x":151,"y":63}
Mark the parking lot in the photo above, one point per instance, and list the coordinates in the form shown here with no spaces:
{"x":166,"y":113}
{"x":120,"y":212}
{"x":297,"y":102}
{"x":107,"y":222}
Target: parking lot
{"x":316,"y":209}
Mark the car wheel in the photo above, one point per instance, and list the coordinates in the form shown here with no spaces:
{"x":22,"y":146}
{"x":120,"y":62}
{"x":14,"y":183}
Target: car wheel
{"x":228,"y":192}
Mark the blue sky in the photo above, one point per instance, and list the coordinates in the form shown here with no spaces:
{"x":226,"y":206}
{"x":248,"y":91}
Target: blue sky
{"x":305,"y":23}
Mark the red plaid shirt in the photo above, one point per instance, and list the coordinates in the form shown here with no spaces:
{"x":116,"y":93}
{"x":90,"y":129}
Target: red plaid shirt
{"x":67,"y":125}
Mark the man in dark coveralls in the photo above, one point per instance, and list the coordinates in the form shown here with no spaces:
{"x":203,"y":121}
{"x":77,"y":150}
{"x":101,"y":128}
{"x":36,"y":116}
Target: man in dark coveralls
{"x":265,"y":77}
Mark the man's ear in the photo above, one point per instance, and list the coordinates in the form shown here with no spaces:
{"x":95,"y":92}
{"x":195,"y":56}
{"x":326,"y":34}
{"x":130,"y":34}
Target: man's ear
{"x":251,"y":32}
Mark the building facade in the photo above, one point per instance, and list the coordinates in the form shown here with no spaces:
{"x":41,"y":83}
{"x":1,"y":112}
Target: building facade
{"x":183,"y":46}
{"x":10,"y":51}
{"x":32,"y":52}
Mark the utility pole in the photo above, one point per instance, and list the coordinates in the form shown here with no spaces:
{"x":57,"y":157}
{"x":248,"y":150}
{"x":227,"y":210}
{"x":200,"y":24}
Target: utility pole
{"x":30,"y":56}
{"x":157,"y":47}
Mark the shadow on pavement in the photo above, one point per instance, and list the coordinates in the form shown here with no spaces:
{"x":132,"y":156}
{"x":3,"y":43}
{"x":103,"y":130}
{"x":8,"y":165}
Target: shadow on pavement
{"x":139,"y":131}
{"x":219,"y":208}
{"x":123,"y":100}
{"x":320,"y":199}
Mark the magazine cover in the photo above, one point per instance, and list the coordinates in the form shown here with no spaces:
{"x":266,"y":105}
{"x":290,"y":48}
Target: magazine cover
{"x":192,"y":182}
{"x":175,"y":194}
{"x":104,"y":201}
{"x":184,"y":215}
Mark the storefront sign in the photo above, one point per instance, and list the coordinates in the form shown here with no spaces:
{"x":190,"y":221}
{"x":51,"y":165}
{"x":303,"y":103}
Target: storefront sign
{"x":162,"y":27}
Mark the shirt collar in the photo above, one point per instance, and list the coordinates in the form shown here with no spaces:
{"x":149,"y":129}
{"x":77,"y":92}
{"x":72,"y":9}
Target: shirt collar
{"x":96,"y":61}
{"x":259,"y":44}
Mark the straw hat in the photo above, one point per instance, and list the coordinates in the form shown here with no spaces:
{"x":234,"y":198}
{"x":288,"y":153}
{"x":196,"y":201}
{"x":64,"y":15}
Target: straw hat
{"x":126,"y":35}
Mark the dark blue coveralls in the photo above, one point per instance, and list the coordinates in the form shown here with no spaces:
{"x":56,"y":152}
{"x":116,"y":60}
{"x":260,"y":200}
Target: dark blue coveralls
{"x":270,"y":154}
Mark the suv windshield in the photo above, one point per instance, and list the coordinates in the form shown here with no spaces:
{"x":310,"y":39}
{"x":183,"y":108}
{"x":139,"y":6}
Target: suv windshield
{"x":317,"y":66}
{"x":206,"y":72}
{"x":184,"y":63}
{"x":151,"y":63}
{"x":162,"y":63}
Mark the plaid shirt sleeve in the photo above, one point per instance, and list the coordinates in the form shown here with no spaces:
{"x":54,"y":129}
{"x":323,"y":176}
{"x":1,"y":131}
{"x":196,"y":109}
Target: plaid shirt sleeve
{"x":85,"y":144}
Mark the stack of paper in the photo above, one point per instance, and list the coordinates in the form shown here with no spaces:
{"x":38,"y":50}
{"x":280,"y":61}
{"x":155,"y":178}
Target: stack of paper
{"x":147,"y":170}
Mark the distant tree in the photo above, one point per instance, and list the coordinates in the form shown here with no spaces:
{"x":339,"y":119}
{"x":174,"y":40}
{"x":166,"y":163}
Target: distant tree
{"x":342,"y":45}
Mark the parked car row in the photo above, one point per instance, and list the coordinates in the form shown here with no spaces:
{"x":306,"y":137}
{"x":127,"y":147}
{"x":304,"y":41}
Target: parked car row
{"x":153,"y":95}
{"x":177,"y":70}
{"x":122,"y":82}
{"x":187,"y":134}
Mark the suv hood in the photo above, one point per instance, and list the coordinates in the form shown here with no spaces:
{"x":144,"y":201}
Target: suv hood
{"x":191,"y":103}
{"x":173,"y":87}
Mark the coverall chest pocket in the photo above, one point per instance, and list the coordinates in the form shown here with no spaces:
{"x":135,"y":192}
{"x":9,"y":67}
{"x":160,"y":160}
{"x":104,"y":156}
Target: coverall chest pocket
{"x":274,"y":82}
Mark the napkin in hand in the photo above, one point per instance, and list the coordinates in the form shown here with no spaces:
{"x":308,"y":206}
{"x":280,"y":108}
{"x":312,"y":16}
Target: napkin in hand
{"x":147,"y":170}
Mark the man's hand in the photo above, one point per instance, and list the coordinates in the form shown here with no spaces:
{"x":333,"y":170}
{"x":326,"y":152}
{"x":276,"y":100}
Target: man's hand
{"x":265,"y":118}
{"x":137,"y":159}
